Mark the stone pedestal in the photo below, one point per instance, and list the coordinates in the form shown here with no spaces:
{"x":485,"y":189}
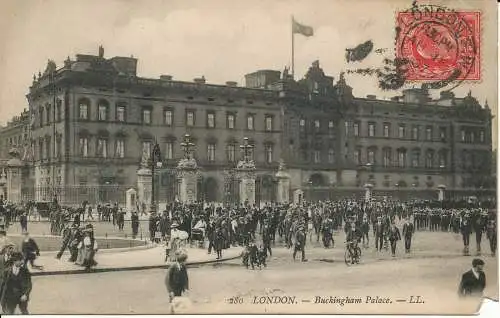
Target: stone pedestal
{"x":246,"y":175}
{"x":441,"y":189}
{"x":130,"y":200}
{"x":368,"y":192}
{"x":298,"y":196}
{"x":187,"y":174}
{"x":144,"y":186}
{"x":283,"y":193}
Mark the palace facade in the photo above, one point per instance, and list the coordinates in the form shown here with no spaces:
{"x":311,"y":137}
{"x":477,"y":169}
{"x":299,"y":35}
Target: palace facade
{"x":91,"y":121}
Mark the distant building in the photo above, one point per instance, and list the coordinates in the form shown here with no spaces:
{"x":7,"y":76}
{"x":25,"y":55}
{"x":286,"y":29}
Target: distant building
{"x":92,"y":120}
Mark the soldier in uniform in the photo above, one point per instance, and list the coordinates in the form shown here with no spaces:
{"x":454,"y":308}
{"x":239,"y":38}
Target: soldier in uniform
{"x":408,"y":230}
{"x":379,"y":229}
{"x":394,"y":237}
{"x":478,"y":229}
{"x":491,"y":234}
{"x":466,"y":229}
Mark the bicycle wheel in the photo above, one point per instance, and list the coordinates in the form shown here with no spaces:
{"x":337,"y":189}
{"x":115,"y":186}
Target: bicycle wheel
{"x":358,"y":252}
{"x":348,"y":257}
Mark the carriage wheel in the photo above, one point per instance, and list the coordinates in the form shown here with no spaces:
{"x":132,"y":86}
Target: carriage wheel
{"x":347,"y":257}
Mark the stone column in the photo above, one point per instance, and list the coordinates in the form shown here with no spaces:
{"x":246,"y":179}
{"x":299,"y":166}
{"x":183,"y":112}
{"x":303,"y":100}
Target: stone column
{"x":441,"y":189}
{"x":144,"y":187}
{"x":246,"y":175}
{"x":283,"y":195}
{"x":187,"y":173}
{"x":368,"y":192}
{"x":14,"y":177}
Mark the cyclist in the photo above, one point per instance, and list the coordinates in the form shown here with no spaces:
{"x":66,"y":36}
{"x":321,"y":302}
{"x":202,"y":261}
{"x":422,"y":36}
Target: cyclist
{"x":354,"y":236}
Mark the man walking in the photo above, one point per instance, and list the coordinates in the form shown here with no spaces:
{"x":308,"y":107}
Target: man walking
{"x":473,"y":281}
{"x":379,"y":234}
{"x":394,"y":237}
{"x":491,"y":233}
{"x":16,"y":286}
{"x":408,"y":230}
{"x":466,"y":229}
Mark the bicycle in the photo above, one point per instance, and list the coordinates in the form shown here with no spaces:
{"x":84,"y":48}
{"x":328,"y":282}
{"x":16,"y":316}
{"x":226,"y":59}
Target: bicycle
{"x":352,"y":253}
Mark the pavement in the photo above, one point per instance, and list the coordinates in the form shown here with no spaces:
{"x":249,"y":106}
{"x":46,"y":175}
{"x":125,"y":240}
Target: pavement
{"x":127,"y":260}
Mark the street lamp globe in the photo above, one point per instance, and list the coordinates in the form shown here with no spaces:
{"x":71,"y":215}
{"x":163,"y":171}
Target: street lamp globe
{"x":159,"y":164}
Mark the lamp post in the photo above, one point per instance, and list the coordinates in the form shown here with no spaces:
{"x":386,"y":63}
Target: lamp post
{"x":3,"y":182}
{"x":155,"y":163}
{"x":310,"y":190}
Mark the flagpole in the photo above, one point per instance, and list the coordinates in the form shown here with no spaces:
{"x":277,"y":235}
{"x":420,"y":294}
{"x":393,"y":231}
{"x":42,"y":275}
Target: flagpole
{"x":293,"y":53}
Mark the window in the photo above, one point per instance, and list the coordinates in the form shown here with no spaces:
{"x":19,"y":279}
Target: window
{"x":102,"y":148}
{"x":230,"y":121}
{"x":302,"y":125}
{"x":269,"y":123}
{"x":415,"y":159}
{"x":146,"y":116}
{"x":120,"y":148}
{"x":48,"y":148}
{"x":387,"y":157}
{"x":331,"y":156}
{"x":250,"y":122}
{"x":346,"y":125}
{"x":414,"y":133}
{"x":120,"y":114}
{"x":84,"y":111}
{"x":41,"y":116}
{"x":146,"y":148}
{"x":40,"y":149}
{"x":58,"y":147}
{"x":401,"y":158}
{"x":357,"y":156}
{"x":84,"y":147}
{"x":211,"y":120}
{"x":356,"y":129}
{"x":231,"y":152}
{"x":387,"y":128}
{"x":371,"y":129}
{"x":317,"y":156}
{"x":442,"y":133}
{"x":371,"y":156}
{"x":462,"y":135}
{"x":190,"y":120}
{"x":429,"y":159}
{"x":472,"y":135}
{"x":59,"y":110}
{"x":331,"y":128}
{"x":169,"y":150}
{"x":48,"y":114}
{"x":103,"y":112}
{"x":317,"y":125}
{"x":269,"y":153}
{"x":401,"y":131}
{"x":428,"y":133}
{"x":211,"y":152}
{"x":168,"y":117}
{"x":481,"y":136}
{"x":442,"y":159}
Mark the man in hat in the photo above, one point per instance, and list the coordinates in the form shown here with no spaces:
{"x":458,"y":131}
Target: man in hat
{"x":5,"y":254}
{"x":16,"y":286}
{"x":379,"y":234}
{"x":177,"y":281}
{"x":473,"y":281}
{"x":134,"y":220}
{"x":491,"y":234}
{"x":30,"y":250}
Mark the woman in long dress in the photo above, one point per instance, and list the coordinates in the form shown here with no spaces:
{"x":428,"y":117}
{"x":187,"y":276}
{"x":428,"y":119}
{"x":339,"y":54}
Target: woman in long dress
{"x":88,"y":248}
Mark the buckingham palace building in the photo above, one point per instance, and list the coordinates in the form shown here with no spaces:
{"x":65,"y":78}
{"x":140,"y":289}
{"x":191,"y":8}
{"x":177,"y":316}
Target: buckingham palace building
{"x":91,"y":120}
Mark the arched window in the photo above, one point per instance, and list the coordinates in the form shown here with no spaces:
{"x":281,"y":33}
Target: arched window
{"x":103,"y":110}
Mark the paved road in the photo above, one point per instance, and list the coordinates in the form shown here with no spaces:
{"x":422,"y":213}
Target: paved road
{"x":435,"y":280}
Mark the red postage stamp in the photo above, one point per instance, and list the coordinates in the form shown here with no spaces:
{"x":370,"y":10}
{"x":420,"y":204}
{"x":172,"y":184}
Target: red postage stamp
{"x":439,"y":45}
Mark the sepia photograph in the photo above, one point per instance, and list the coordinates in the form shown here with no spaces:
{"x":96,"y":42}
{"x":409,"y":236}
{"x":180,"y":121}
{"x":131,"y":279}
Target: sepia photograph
{"x":248,"y":157}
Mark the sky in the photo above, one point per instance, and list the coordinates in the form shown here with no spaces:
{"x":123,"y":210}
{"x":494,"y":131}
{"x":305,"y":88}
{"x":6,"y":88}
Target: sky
{"x":220,"y":39}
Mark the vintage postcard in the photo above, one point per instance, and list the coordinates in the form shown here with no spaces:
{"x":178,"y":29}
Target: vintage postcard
{"x":248,"y":157}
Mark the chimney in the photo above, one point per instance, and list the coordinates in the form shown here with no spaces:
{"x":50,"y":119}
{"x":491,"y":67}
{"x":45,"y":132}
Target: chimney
{"x":165,"y":78}
{"x":231,"y":84}
{"x":371,"y":96}
{"x":200,"y":80}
